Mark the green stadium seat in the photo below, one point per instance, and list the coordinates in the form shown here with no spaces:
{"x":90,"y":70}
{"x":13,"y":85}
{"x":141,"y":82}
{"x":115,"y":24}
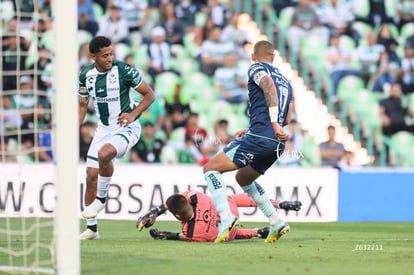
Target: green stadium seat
{"x":285,"y":18}
{"x":98,"y":11}
{"x":362,"y":8}
{"x":165,"y":84}
{"x":346,"y":42}
{"x":406,"y":30}
{"x":311,"y":153}
{"x":140,"y":56}
{"x":313,"y":47}
{"x":410,"y":102}
{"x":6,"y":11}
{"x":197,"y":84}
{"x":84,"y":37}
{"x":349,"y":88}
{"x":391,"y":7}
{"x":401,"y":145}
{"x":122,"y":50}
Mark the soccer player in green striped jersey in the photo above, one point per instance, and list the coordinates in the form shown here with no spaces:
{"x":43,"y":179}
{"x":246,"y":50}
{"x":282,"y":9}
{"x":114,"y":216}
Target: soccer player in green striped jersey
{"x":107,"y":82}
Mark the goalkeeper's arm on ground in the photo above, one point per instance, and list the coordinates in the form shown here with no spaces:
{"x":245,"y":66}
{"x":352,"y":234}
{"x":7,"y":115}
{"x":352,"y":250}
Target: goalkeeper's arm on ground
{"x":149,"y":218}
{"x":166,"y":235}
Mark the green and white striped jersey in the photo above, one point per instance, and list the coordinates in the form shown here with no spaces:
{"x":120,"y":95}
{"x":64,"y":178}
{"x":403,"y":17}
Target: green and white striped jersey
{"x":110,"y":90}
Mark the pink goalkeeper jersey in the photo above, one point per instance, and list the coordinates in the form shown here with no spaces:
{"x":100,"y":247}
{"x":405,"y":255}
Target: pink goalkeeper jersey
{"x":203,"y":226}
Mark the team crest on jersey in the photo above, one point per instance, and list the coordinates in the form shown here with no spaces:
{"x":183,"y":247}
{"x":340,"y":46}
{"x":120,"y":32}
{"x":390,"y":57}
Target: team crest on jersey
{"x":112,"y":78}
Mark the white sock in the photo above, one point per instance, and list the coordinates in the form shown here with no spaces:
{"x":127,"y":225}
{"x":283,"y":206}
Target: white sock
{"x":259,"y":195}
{"x":218,"y":193}
{"x":103,"y":186}
{"x":92,"y":221}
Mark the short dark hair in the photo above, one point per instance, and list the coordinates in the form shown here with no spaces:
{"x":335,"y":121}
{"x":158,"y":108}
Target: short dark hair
{"x":97,"y":43}
{"x":148,"y":123}
{"x":177,"y":204}
{"x":331,"y":127}
{"x":263,"y":48}
{"x":223,"y":121}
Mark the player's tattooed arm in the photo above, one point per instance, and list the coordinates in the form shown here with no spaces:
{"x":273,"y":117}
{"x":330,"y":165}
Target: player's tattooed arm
{"x":269,"y":90}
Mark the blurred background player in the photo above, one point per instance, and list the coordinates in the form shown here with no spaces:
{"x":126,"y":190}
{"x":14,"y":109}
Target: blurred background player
{"x":189,"y":208}
{"x":108,"y":82}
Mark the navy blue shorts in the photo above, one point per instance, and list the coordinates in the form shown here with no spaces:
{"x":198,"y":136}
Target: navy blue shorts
{"x":258,"y":152}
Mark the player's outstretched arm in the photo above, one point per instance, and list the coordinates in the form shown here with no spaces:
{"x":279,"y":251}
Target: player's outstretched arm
{"x":149,"y":218}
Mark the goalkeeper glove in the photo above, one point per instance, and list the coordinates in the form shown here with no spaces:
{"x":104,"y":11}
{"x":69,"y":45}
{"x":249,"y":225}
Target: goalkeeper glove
{"x":148,"y":219}
{"x":164,"y":235}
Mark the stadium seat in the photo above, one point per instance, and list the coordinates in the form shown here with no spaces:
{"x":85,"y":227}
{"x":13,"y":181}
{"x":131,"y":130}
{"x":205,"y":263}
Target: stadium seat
{"x":191,"y":48}
{"x":313,"y":47}
{"x":391,"y":7}
{"x":47,"y":40}
{"x":349,"y":88}
{"x":122,"y":50}
{"x":140,"y":56}
{"x":346,"y":42}
{"x":165,"y":84}
{"x":200,"y":19}
{"x":410,"y":102}
{"x":363,"y":29}
{"x":6,"y":11}
{"x":196,"y":84}
{"x":311,"y":153}
{"x":401,"y":144}
{"x":285,"y":18}
{"x":84,"y":37}
{"x":98,"y":11}
{"x":406,"y":30}
{"x":362,"y":8}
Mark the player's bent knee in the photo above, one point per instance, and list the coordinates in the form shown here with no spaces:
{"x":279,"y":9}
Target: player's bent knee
{"x":106,"y":153}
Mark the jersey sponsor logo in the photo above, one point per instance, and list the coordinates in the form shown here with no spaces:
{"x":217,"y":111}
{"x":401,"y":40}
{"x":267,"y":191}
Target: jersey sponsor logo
{"x":247,"y":158}
{"x":100,"y":91}
{"x":215,"y":182}
{"x":255,"y":67}
{"x":112,"y":89}
{"x":107,"y":99}
{"x":280,"y":81}
{"x":112,"y":78}
{"x":136,"y":81}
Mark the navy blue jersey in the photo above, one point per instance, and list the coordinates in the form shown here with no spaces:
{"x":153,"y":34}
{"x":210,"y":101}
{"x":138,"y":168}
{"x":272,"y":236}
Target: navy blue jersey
{"x":258,"y":110}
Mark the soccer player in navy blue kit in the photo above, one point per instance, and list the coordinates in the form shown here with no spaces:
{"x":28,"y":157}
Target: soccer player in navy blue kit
{"x":257,"y":147}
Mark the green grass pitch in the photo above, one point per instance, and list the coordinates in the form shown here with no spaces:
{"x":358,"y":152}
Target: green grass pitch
{"x":310,"y":248}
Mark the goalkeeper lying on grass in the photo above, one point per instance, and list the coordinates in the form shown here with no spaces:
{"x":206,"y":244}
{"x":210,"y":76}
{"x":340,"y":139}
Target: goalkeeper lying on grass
{"x":199,"y":217}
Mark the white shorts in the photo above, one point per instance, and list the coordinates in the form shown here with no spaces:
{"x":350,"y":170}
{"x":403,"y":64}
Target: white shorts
{"x":122,"y":138}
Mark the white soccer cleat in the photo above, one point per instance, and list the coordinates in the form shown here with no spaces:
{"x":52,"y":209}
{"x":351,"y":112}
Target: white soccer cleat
{"x":89,"y":235}
{"x":93,"y":209}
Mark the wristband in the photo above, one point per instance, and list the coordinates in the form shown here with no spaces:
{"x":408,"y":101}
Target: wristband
{"x":273,"y":113}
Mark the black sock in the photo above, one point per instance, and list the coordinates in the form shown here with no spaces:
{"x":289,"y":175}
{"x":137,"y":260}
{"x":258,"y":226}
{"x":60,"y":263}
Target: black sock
{"x":94,"y":227}
{"x":103,"y":200}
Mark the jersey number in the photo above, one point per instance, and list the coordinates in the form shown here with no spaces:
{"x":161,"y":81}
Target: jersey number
{"x":283,"y":98}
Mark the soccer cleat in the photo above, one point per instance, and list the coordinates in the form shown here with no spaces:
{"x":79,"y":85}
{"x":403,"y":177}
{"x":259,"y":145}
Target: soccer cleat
{"x":226,"y":227}
{"x":89,"y":235}
{"x":277,"y":231}
{"x":263,"y":232}
{"x":290,"y":205}
{"x":93,"y":209}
